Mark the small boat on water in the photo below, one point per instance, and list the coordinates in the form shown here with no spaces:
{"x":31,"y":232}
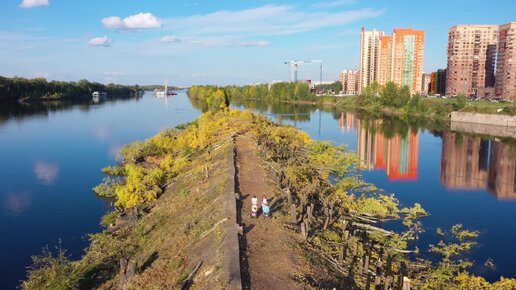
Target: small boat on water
{"x":97,"y":96}
{"x":164,"y":93}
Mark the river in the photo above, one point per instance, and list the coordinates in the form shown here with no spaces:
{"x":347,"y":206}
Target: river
{"x":52,"y":155}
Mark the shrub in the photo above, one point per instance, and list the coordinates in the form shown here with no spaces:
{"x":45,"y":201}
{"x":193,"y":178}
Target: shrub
{"x":50,"y":272}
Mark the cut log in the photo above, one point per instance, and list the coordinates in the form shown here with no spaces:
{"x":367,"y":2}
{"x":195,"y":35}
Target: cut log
{"x":189,"y":279}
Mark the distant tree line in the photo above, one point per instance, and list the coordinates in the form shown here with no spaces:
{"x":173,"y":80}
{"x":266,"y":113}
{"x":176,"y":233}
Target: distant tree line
{"x":334,"y":87}
{"x":40,"y":89}
{"x":276,"y":92}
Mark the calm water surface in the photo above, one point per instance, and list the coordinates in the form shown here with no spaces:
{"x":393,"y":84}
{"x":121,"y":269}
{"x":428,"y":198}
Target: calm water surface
{"x":51,"y":157}
{"x":456,"y":177}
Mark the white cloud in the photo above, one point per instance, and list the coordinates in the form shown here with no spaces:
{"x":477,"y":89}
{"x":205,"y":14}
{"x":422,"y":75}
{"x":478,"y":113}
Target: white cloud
{"x":261,"y":43}
{"x":133,"y":22}
{"x":113,"y":74}
{"x":170,"y":38}
{"x":215,"y":41}
{"x":332,"y":4}
{"x":100,"y":41}
{"x":33,"y":3}
{"x":266,"y":20}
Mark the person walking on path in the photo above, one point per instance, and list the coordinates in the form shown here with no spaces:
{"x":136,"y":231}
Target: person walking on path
{"x":265,"y":207}
{"x":254,"y":206}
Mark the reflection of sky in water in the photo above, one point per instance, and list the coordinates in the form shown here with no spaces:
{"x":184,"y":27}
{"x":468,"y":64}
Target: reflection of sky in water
{"x":17,"y":203}
{"x":50,"y":165}
{"x":456,"y":177}
{"x":103,"y":133}
{"x":46,"y":173}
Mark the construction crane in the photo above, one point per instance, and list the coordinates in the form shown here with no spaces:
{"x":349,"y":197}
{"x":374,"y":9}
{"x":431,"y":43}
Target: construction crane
{"x":294,"y":66}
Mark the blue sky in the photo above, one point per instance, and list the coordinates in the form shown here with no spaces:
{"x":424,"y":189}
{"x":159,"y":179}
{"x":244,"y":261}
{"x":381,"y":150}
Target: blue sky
{"x":217,"y":42}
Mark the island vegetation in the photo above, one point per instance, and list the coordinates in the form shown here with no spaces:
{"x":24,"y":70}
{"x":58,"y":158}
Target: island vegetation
{"x":18,"y":88}
{"x":164,"y":191}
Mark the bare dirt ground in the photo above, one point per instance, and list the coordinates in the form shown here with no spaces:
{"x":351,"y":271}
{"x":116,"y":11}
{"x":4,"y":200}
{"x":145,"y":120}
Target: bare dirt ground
{"x":269,"y":259}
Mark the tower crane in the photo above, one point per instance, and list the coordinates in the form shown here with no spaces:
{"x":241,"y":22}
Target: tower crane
{"x":294,"y":66}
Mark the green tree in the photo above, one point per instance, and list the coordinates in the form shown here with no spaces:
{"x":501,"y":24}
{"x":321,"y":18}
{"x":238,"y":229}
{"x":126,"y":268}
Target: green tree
{"x":460,"y":102}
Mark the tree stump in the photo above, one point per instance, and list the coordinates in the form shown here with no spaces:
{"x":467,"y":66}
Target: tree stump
{"x":331,"y":213}
{"x":123,"y":277}
{"x":304,"y":231}
{"x":406,"y":283}
{"x":289,"y":196}
{"x":378,"y":277}
{"x":293,"y":213}
{"x":366,"y":263}
{"x":360,"y":268}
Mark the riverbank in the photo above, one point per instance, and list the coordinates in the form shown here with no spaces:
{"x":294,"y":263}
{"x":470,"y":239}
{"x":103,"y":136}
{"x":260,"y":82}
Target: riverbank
{"x":39,"y":89}
{"x":387,"y":99}
{"x":172,"y":218}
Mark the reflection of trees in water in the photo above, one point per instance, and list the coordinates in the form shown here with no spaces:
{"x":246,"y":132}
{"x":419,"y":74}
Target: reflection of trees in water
{"x":199,"y":104}
{"x":282,"y":110}
{"x":15,"y":110}
{"x":391,"y":125}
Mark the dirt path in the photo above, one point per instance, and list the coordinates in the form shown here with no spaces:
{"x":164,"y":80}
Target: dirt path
{"x":268,"y":259}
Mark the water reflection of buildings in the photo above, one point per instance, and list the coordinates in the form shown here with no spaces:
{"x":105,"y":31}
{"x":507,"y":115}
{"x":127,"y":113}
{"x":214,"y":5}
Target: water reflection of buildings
{"x":398,"y":155}
{"x":347,"y":121}
{"x":473,"y":163}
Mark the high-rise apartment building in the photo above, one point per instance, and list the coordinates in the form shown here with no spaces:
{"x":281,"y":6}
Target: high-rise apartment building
{"x":386,"y":62}
{"x":397,"y":58}
{"x":369,"y":57}
{"x":408,"y":49}
{"x":506,"y":64}
{"x":438,"y":82}
{"x":349,"y":80}
{"x":471,"y":58}
{"x":425,"y":83}
{"x":441,"y":82}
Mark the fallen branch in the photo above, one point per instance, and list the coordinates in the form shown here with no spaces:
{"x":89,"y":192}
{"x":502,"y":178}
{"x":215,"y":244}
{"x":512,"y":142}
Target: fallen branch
{"x":369,"y":220}
{"x":372,"y":228}
{"x":213,"y":228}
{"x":188,"y":281}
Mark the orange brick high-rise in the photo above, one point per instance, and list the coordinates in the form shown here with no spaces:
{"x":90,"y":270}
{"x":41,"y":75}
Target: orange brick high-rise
{"x":407,"y":58}
{"x":397,"y":58}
